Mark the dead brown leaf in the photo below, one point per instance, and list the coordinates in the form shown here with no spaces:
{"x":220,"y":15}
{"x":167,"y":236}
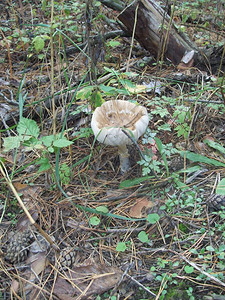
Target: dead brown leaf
{"x":139,"y":209}
{"x":30,"y":197}
{"x":14,"y":286}
{"x":38,"y":264}
{"x":20,"y":186}
{"x":84,"y":281}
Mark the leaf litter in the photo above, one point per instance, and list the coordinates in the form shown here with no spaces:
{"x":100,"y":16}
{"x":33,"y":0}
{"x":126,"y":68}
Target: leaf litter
{"x":83,"y":281}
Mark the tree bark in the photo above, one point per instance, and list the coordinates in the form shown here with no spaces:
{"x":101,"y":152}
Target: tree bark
{"x":156,"y":32}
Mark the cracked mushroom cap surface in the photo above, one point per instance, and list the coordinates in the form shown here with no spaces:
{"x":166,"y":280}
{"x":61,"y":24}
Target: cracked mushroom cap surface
{"x":113,"y":116}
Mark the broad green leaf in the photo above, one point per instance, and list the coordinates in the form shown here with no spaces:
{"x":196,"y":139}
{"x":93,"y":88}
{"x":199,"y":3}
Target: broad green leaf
{"x":11,"y":142}
{"x":84,"y":93}
{"x":123,"y":91}
{"x":28,"y":127}
{"x":32,"y":143}
{"x":97,"y":99}
{"x":202,"y":159}
{"x":215,"y":145}
{"x":41,"y":56}
{"x":220,"y":189}
{"x":107,"y":90}
{"x":44,"y":2}
{"x":39,"y":43}
{"x":94,"y":221}
{"x":113,"y":43}
{"x":63,"y":142}
{"x":132,"y":182}
{"x":121,"y":247}
{"x":210,"y":248}
{"x":48,"y":140}
{"x":44,"y":164}
{"x":102,"y":209}
{"x":153,"y":218}
{"x":188,"y":269}
{"x":143,"y":237}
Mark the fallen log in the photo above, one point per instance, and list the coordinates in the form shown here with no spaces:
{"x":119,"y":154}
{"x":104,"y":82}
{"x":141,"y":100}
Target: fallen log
{"x":156,"y":31}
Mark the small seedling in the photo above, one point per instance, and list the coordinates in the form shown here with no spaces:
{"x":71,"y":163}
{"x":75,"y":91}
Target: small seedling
{"x":121,"y":247}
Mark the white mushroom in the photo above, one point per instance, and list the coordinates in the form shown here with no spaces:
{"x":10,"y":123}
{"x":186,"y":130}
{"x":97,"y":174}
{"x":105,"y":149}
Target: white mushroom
{"x":112,"y":118}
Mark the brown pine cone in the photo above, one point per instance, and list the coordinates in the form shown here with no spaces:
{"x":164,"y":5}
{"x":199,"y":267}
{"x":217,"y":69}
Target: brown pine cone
{"x":67,"y":257}
{"x":17,"y":249}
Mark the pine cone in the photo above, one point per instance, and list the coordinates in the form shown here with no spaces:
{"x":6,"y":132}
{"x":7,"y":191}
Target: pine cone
{"x":67,"y":257}
{"x":216,"y":201}
{"x":17,"y":249}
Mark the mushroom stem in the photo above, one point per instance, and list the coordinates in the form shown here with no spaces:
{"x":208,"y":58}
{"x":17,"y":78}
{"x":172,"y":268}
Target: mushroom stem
{"x":124,"y":158}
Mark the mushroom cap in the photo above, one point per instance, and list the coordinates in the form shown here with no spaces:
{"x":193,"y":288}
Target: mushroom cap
{"x":113,"y":116}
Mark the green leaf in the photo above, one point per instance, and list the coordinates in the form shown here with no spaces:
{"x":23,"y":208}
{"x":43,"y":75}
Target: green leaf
{"x":63,"y":142}
{"x":97,"y":3}
{"x":41,"y":56}
{"x":161,"y":111}
{"x":165,"y":127}
{"x":83,"y":132}
{"x":221,"y":187}
{"x":188,"y":269}
{"x":84,"y":93}
{"x":181,"y":185}
{"x":222,"y":248}
{"x":97,"y":99}
{"x":33,"y":143}
{"x":121,"y":247}
{"x":215,"y":145}
{"x":44,"y":164}
{"x":143,"y":237}
{"x":39,"y":43}
{"x":202,"y":159}
{"x":102,"y":209}
{"x":210,"y":248}
{"x":153,"y":218}
{"x":190,"y":170}
{"x":160,"y":148}
{"x":132,"y":182}
{"x":94,"y":221}
{"x":48,"y":140}
{"x":131,"y":74}
{"x":113,"y":43}
{"x":107,"y":90}
{"x":28,"y":127}
{"x":11,"y":142}
{"x":51,"y":149}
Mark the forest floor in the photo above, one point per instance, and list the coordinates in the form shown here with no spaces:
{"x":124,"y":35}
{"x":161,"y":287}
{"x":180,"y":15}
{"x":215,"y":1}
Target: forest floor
{"x":86,"y":231}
